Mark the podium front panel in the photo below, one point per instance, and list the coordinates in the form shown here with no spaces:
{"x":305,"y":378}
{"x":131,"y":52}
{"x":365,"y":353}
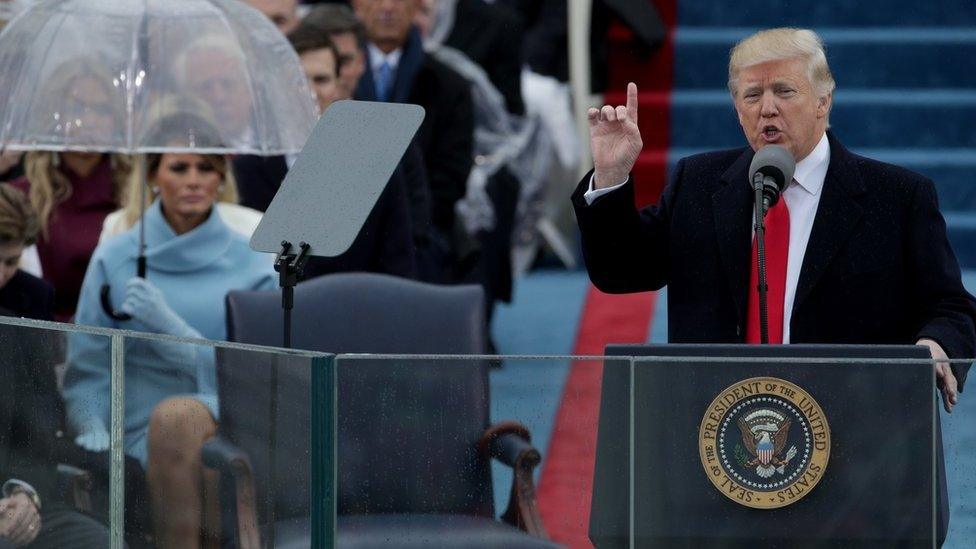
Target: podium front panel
{"x":728,"y":451}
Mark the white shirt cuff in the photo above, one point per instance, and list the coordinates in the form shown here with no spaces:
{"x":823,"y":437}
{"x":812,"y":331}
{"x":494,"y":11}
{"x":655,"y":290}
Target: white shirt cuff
{"x":592,"y":194}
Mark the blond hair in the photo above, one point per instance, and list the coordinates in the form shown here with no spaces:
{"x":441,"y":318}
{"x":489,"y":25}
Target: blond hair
{"x":778,"y":45}
{"x":18,"y":222}
{"x":132,"y":209}
{"x":49,"y":186}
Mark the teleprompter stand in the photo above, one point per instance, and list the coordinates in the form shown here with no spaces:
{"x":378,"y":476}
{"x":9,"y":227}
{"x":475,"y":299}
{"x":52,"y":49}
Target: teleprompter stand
{"x":322,"y":205}
{"x":290,"y":268}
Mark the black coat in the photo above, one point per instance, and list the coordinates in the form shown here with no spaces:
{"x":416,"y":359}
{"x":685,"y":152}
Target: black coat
{"x":27,"y":296}
{"x":384,"y":244}
{"x":878,"y":267}
{"x":31,"y":410}
{"x":446,"y":136}
{"x":490,"y":34}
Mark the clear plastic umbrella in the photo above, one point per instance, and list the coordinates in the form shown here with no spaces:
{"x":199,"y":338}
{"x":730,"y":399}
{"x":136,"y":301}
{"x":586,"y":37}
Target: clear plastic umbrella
{"x":100,"y":75}
{"x":144,"y":76}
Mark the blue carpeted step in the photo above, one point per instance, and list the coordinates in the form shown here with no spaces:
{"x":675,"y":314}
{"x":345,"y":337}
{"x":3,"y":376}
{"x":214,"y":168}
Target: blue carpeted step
{"x":820,"y":13}
{"x":859,"y":58}
{"x":862,"y":118}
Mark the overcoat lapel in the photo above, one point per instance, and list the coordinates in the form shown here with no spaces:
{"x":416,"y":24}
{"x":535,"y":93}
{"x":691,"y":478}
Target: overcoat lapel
{"x":837,"y":215}
{"x":732,"y":209}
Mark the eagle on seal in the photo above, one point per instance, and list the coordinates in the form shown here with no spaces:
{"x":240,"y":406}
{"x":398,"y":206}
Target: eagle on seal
{"x":764,"y":434}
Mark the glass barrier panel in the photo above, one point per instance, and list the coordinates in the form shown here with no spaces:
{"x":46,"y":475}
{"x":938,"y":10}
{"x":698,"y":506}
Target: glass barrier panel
{"x":55,"y":493}
{"x":470,"y":451}
{"x":737,"y":446}
{"x":256,"y":424}
{"x":217,"y":444}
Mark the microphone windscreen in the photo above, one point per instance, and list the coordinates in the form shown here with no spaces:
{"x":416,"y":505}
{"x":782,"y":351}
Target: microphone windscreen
{"x":773,"y":161}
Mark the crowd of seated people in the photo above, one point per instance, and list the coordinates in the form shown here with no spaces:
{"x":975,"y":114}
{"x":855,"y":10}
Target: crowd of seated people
{"x":86,"y":212}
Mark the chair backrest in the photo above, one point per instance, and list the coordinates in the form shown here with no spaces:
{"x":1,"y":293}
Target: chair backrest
{"x":407,"y":430}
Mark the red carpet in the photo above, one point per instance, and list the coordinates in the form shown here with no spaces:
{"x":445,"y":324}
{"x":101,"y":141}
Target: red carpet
{"x":566,"y":483}
{"x":565,"y":487}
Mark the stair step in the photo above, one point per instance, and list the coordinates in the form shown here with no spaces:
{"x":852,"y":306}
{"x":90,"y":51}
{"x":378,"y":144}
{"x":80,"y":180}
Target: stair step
{"x":821,"y":13}
{"x":862,"y":118}
{"x":858,"y":58}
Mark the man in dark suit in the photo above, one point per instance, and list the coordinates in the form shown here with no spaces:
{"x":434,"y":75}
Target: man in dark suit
{"x":862,"y":257}
{"x":399,"y":71}
{"x":31,"y":411}
{"x":385,"y":244}
{"x":489,"y":34}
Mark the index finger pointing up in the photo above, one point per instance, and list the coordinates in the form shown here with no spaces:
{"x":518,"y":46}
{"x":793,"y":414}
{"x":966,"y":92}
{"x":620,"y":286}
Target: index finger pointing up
{"x":632,"y":101}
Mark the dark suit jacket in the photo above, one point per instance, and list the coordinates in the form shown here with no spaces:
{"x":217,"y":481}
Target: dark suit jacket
{"x":27,"y":296}
{"x":31,"y":410}
{"x":878,"y":267}
{"x":446,"y":136}
{"x":490,"y":35}
{"x":384,"y":244}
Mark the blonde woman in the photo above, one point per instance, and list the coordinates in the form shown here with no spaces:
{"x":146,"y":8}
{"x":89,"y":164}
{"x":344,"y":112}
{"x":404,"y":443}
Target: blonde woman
{"x":72,"y":192}
{"x":239,"y":218}
{"x":193,"y":260}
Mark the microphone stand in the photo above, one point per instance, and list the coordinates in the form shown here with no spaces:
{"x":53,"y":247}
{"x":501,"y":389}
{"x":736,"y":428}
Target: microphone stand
{"x":760,"y":227}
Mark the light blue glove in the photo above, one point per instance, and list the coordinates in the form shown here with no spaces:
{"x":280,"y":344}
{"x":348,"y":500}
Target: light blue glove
{"x":92,"y":435}
{"x":145,"y":303}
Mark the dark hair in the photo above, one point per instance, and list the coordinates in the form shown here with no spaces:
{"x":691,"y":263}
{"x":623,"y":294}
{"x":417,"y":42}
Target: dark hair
{"x":184,"y":128}
{"x":336,"y":19}
{"x":18,"y":221}
{"x":306,"y":38}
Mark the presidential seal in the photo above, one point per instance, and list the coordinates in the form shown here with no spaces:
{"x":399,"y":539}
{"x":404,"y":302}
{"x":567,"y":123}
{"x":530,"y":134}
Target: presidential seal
{"x":764,"y":443}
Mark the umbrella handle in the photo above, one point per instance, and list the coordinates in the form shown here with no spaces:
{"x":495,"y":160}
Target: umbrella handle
{"x":106,"y":294}
{"x":106,"y":298}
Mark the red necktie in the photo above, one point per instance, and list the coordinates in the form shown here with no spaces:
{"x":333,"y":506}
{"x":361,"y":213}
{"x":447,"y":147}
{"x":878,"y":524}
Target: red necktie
{"x":777,"y":251}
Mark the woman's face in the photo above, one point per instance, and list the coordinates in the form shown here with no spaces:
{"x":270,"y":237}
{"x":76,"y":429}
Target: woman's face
{"x":188,"y":184}
{"x":87,"y":113}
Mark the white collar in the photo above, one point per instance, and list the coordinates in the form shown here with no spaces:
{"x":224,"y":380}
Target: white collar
{"x":377,"y":57}
{"x":812,"y":170}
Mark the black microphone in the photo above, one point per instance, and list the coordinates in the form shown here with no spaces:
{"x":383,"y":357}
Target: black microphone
{"x":772,"y":168}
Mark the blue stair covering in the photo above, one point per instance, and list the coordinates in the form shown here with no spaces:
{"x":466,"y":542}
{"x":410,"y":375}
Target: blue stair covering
{"x":906,"y":86}
{"x":859,"y":58}
{"x":883,"y":118}
{"x":826,"y":13}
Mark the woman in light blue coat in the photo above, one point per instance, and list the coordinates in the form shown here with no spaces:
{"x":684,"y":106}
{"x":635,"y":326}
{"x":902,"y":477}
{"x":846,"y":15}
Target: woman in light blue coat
{"x":194,"y":259}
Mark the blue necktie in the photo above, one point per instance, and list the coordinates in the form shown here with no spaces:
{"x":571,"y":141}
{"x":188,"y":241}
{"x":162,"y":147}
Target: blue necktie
{"x":384,"y":81}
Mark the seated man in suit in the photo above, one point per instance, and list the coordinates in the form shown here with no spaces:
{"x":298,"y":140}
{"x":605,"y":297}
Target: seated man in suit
{"x":31,"y":410}
{"x":399,"y":71}
{"x":856,"y":249}
{"x":385,"y":243}
{"x":348,"y":36}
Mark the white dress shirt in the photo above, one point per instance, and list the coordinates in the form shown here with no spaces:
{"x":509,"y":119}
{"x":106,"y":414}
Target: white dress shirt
{"x":377,"y":57}
{"x":802,"y":197}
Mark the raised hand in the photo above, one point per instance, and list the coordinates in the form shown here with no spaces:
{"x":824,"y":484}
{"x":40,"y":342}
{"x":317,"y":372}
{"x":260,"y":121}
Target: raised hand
{"x":615,"y":140}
